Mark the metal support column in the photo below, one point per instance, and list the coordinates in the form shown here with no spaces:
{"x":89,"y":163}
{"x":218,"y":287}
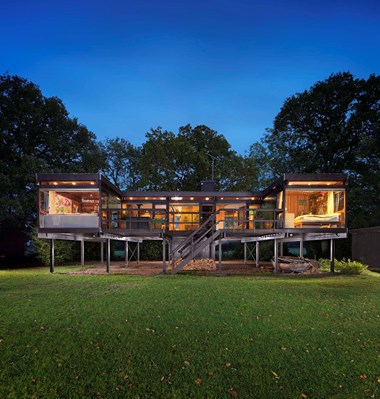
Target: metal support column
{"x":245,"y":253}
{"x":170,"y":255}
{"x":82,"y":253}
{"x":51,"y":256}
{"x":275,"y":256}
{"x":332,"y":256}
{"x":163,"y":256}
{"x":138,"y":252}
{"x":301,"y":246}
{"x":220,"y":254}
{"x":281,"y":248}
{"x":102,"y":252}
{"x":108,"y":255}
{"x":212,"y":247}
{"x":126,"y":253}
{"x":257,"y":253}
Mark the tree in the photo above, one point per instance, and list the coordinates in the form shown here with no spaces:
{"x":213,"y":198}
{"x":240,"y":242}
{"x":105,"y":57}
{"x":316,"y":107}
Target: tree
{"x":36,"y":135}
{"x":121,"y":163}
{"x":180,"y":161}
{"x":332,"y":127}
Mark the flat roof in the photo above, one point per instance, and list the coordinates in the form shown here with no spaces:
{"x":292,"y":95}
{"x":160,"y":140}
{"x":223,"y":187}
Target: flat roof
{"x":272,"y":189}
{"x":98,"y":177}
{"x":191,"y":194}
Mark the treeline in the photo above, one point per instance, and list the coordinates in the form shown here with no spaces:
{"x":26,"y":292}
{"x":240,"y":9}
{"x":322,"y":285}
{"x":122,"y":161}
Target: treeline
{"x":332,"y":127}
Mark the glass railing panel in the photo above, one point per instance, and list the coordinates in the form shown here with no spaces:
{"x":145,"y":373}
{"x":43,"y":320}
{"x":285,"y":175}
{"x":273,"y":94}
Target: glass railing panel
{"x":75,"y":220}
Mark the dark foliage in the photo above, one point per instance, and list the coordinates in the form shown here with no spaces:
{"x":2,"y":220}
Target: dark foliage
{"x":332,"y":127}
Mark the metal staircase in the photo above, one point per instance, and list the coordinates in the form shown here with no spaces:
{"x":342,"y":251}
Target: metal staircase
{"x":190,"y":247}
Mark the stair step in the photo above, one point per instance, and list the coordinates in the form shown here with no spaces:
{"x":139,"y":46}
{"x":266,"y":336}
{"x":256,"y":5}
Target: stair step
{"x":195,"y":251}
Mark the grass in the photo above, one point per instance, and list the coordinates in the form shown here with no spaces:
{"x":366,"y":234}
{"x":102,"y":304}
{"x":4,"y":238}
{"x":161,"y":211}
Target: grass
{"x":186,"y":336}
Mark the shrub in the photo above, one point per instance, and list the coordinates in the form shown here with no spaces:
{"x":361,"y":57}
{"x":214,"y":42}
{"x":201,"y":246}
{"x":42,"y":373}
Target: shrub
{"x":353,"y":267}
{"x":151,"y":250}
{"x":348,"y":267}
{"x":324,"y":265}
{"x":63,"y":250}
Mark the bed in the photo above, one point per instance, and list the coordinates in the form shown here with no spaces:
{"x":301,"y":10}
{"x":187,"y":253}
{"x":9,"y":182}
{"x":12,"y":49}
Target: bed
{"x":331,"y":220}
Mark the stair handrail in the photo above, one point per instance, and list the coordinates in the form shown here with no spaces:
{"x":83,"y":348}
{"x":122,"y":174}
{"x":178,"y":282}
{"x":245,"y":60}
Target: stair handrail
{"x":199,"y":239}
{"x":190,"y":237}
{"x":190,"y":256}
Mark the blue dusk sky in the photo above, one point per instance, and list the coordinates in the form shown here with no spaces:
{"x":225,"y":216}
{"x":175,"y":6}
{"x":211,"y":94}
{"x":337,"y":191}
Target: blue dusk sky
{"x":123,"y":67}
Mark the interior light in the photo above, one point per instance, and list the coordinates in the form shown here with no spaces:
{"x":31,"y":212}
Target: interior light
{"x":92,"y":183}
{"x":237,"y":198}
{"x":73,"y":183}
{"x":222,"y":198}
{"x":191,"y":198}
{"x":207,"y":198}
{"x":146,"y":198}
{"x":252,"y":198}
{"x":162,"y":198}
{"x":131,"y":198}
{"x":55,"y":183}
{"x":177,"y":198}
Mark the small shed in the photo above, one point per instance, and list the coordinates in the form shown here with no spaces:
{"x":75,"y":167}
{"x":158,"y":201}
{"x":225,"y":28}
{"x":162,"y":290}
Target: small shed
{"x":366,"y":246}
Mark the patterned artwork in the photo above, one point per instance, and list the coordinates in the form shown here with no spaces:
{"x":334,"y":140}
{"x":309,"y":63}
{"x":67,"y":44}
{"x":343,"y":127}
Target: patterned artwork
{"x":63,"y":204}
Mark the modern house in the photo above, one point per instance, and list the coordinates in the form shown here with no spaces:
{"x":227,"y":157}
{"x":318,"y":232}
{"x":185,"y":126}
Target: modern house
{"x":88,"y":207}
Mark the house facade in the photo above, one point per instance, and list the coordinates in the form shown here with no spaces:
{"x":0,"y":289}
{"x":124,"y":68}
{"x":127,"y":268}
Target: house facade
{"x":88,"y":207}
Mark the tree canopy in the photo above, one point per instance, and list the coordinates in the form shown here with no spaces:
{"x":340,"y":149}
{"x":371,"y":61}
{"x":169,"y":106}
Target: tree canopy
{"x":121,"y":163}
{"x":332,"y":127}
{"x":36,"y":135}
{"x":172,"y":161}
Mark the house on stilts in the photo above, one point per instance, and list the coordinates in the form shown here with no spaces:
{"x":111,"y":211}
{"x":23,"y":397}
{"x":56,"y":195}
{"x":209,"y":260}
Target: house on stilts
{"x":190,"y":224}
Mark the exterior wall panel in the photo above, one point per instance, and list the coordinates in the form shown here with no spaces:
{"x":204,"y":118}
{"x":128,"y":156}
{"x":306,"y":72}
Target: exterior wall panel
{"x":365,"y":247}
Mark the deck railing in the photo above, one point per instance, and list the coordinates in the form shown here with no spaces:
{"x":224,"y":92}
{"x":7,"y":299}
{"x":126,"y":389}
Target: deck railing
{"x":228,"y":219}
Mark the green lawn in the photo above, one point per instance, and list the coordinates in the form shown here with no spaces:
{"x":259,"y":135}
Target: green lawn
{"x":186,"y":336}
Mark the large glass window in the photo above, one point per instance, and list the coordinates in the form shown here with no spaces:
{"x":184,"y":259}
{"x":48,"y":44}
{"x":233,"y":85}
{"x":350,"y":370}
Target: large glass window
{"x":111,"y":211}
{"x":314,"y":208}
{"x":143,"y":216}
{"x":183,"y":217}
{"x":69,"y":208}
{"x":232,"y":216}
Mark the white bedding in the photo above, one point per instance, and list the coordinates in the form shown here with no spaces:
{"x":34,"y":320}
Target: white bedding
{"x":334,"y":217}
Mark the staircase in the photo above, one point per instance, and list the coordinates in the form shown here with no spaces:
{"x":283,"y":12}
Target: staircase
{"x":195,"y":243}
